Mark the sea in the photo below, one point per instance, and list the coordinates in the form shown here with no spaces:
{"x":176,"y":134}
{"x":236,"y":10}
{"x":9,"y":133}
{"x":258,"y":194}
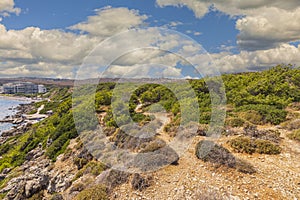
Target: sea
{"x":8,"y":107}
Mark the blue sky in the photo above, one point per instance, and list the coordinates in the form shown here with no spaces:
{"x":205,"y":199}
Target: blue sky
{"x":216,"y":28}
{"x":42,"y":38}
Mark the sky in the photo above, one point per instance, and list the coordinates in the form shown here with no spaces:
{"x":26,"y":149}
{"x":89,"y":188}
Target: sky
{"x":56,"y":39}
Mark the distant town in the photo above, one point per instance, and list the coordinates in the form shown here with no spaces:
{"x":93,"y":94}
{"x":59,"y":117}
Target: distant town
{"x":22,"y":88}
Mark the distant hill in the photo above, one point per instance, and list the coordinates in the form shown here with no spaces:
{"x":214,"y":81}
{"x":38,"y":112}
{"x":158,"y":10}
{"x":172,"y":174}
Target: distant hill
{"x":46,"y":81}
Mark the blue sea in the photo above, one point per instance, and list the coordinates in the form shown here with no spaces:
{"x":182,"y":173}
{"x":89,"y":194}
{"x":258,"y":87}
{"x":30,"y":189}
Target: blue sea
{"x":7,"y":108}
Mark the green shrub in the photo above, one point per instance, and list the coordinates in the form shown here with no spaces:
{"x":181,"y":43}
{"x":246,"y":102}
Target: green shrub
{"x":242,"y":145}
{"x":252,"y":116}
{"x":235,"y":122}
{"x":266,"y":147}
{"x":247,"y":145}
{"x":93,"y":167}
{"x":269,"y":113}
{"x":270,"y":135}
{"x":97,"y":192}
{"x":205,"y":117}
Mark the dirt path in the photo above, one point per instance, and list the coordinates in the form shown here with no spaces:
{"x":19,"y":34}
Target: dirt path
{"x":40,"y":108}
{"x":162,"y":117}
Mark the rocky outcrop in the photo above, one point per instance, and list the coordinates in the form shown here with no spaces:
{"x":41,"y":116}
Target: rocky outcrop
{"x":17,"y":131}
{"x":35,"y":177}
{"x":59,"y":182}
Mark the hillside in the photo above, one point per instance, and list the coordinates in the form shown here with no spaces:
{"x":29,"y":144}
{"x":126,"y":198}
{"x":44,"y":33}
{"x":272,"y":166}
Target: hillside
{"x":256,"y":155}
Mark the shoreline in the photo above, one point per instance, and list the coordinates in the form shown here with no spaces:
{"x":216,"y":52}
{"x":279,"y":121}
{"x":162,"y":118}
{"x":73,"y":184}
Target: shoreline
{"x":20,"y":98}
{"x":16,"y":121}
{"x":23,"y":104}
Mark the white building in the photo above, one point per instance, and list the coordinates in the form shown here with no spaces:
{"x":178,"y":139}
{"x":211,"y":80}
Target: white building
{"x":23,"y":88}
{"x":42,"y":89}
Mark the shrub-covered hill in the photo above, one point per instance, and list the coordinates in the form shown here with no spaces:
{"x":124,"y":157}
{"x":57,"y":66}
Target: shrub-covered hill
{"x":257,"y":98}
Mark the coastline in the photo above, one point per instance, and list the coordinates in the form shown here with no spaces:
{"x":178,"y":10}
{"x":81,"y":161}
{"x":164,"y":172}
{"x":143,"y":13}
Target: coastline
{"x":15,"y":119}
{"x":20,"y":98}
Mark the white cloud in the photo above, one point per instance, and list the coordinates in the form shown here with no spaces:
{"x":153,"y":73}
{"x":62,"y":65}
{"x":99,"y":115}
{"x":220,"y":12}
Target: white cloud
{"x":197,"y":33}
{"x":110,"y":21}
{"x":35,"y":45}
{"x":230,"y":7}
{"x":266,"y":29}
{"x":263,"y":24}
{"x":23,"y":51}
{"x":8,"y":6}
{"x":255,"y":60}
{"x":272,"y":27}
{"x":198,"y":7}
{"x":56,"y":53}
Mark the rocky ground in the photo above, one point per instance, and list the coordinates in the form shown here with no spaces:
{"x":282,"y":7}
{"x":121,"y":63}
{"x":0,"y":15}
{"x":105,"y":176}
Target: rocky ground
{"x":276,"y":176}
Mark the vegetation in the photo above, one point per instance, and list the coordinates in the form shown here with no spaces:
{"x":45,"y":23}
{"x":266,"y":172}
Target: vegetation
{"x":235,"y":122}
{"x":247,"y":145}
{"x":97,"y":192}
{"x":95,"y":168}
{"x":254,"y":98}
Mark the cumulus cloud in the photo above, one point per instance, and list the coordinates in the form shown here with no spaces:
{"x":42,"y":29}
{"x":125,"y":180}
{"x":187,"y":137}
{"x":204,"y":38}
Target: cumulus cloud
{"x":230,"y":7}
{"x":141,"y":47}
{"x":109,"y":21}
{"x":263,"y":24}
{"x":271,"y":28}
{"x":35,"y":45}
{"x":7,"y":7}
{"x":257,"y":60}
{"x":198,"y":7}
{"x":266,"y":29}
{"x":57,"y":53}
{"x":32,"y":50}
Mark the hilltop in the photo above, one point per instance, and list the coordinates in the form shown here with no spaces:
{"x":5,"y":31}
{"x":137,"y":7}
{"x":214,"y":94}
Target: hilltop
{"x":256,"y":155}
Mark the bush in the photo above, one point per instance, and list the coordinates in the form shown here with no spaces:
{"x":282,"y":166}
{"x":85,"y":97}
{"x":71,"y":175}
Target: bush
{"x":271,"y":135}
{"x":295,"y":135}
{"x":242,"y":145}
{"x":95,"y":168}
{"x":266,"y":147}
{"x":97,"y":192}
{"x":252,"y":116}
{"x":247,"y":145}
{"x":270,"y":114}
{"x":235,"y":122}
